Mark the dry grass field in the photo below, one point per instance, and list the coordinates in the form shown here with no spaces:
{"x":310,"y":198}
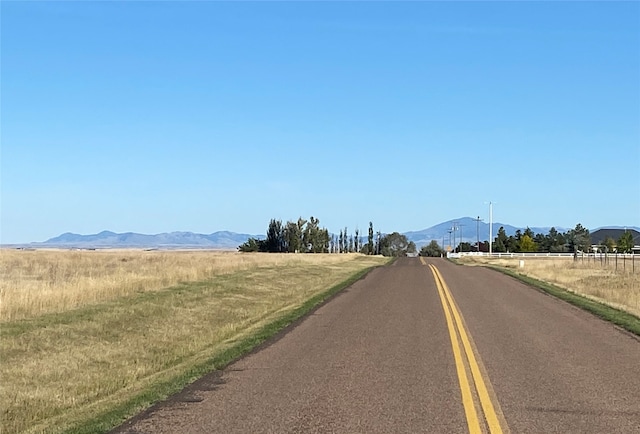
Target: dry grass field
{"x":83,"y":332}
{"x":47,"y":281}
{"x":619,"y":288}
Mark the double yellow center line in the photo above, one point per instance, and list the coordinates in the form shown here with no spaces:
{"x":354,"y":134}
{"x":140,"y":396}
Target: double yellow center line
{"x":463,"y":352}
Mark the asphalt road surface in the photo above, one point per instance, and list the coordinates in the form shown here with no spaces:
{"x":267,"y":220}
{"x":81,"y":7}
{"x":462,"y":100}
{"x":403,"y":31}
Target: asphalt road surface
{"x":423,"y":346}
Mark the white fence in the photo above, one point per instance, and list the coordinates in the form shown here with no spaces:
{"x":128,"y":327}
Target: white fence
{"x":625,"y":262}
{"x":543,"y":255}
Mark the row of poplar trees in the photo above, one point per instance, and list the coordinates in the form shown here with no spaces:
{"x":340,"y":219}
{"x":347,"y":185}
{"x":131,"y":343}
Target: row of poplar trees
{"x":306,"y":236}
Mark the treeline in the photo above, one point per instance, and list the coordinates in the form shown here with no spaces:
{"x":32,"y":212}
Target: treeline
{"x":306,"y":236}
{"x":577,"y":239}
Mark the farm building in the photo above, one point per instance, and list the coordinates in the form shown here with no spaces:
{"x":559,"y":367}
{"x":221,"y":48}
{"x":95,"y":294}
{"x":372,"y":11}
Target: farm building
{"x":598,"y":237}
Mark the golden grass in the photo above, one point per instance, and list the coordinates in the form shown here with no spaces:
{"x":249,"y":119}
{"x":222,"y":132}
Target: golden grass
{"x":619,"y":288}
{"x":83,"y":332}
{"x":33,"y":283}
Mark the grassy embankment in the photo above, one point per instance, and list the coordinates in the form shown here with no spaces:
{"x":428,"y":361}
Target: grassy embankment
{"x":611,"y":294}
{"x":89,"y":338}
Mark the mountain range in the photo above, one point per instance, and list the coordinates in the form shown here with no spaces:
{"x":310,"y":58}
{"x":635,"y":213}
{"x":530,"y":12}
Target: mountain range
{"x":468,"y":229}
{"x":108,"y":239}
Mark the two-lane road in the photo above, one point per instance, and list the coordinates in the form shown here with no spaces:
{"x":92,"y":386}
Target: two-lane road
{"x":554,"y":367}
{"x":388,"y":355}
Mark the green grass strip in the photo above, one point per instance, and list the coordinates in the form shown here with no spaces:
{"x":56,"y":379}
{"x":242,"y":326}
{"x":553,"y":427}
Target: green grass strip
{"x":618,"y":317}
{"x":160,"y":391}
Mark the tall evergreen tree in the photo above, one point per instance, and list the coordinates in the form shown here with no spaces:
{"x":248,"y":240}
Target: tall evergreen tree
{"x":326,"y":240}
{"x":370,"y":243}
{"x":293,"y":237}
{"x":579,"y":239}
{"x":356,"y":241}
{"x":625,"y":242}
{"x":346,"y":241}
{"x":500,"y":244}
{"x":275,"y":236}
{"x":313,"y":237}
{"x":528,"y":232}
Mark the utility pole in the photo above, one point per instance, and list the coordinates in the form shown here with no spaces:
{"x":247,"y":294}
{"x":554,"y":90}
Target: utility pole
{"x":490,"y":228}
{"x":454,"y":228}
{"x":461,"y":240}
{"x":478,"y":233}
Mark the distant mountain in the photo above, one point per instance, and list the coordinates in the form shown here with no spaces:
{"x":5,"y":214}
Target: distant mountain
{"x":469,"y":229}
{"x":108,"y":239}
{"x":68,"y":237}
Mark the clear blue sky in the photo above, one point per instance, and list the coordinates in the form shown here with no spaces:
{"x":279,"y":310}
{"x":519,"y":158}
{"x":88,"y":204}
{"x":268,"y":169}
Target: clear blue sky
{"x":204,"y":116}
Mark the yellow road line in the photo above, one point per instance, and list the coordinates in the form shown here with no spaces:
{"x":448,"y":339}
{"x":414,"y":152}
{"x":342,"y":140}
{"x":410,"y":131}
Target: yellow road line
{"x":465,"y":388}
{"x":485,"y":398}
